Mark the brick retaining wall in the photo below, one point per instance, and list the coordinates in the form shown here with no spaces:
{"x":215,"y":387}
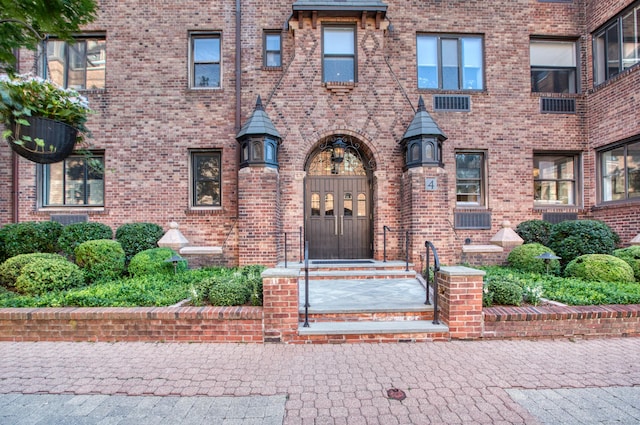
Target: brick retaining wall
{"x":561,"y":321}
{"x":150,"y":324}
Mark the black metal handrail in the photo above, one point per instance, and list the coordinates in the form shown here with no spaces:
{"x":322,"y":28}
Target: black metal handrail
{"x":406,"y":251}
{"x":436,"y":268}
{"x":306,"y":284}
{"x":384,"y":242}
{"x":300,"y":245}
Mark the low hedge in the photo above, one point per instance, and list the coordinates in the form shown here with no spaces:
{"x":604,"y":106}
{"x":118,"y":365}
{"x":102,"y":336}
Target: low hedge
{"x":137,"y":237}
{"x":153,"y":261}
{"x":28,"y":237}
{"x":76,"y":233}
{"x":44,"y":275}
{"x":100,"y":259}
{"x":631,"y":256}
{"x":600,"y":267}
{"x":524,"y":257}
{"x":11,"y":269}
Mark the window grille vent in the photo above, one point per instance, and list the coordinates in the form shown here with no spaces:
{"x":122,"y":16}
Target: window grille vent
{"x":451,"y":103}
{"x":554,"y":105}
{"x":557,"y":217}
{"x":472,"y":220}
{"x":65,"y":219}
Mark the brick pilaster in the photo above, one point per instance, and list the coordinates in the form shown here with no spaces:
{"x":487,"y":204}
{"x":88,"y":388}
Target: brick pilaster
{"x":460,"y":300}
{"x":280,"y":304}
{"x":259,"y":224}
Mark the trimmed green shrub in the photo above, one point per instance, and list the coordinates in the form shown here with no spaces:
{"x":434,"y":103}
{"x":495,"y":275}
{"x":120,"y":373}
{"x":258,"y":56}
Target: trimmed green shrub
{"x":505,"y":290}
{"x":100,"y":259}
{"x":534,"y":231}
{"x":11,"y":269}
{"x":632,"y":256}
{"x":573,"y":238}
{"x":229,"y":293}
{"x":137,"y":237}
{"x":523,"y":258}
{"x":45,"y":275}
{"x":152,"y":261}
{"x":74,"y":234}
{"x":29,"y":237}
{"x":600,"y":267}
{"x":252,"y":278}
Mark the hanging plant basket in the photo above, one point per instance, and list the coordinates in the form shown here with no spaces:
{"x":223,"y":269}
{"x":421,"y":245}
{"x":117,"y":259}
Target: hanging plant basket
{"x":59,"y":140}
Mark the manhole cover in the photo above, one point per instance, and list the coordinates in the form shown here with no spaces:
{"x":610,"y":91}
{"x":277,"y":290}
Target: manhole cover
{"x":396,"y":394}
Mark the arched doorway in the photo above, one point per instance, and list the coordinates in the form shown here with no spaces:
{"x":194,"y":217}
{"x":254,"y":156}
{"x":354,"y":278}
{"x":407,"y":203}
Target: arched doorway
{"x":338,"y":207}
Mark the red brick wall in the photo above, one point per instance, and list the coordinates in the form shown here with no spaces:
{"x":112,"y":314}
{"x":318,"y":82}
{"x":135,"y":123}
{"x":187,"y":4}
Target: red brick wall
{"x":147,"y":119}
{"x":150,"y":324}
{"x":561,"y":322}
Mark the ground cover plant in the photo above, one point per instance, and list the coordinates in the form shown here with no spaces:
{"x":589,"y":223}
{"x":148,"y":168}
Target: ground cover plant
{"x":144,"y":290}
{"x":567,"y":290}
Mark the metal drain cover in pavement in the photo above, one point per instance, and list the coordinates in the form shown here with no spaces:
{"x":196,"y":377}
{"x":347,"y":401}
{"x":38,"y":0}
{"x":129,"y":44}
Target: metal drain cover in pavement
{"x":396,"y":394}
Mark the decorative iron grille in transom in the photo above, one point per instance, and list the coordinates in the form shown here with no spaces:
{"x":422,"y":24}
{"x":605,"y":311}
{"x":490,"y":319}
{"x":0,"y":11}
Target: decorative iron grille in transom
{"x":327,"y":162}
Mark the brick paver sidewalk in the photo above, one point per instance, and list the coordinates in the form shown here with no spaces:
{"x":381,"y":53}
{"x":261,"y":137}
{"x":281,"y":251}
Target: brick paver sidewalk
{"x":454,"y":382}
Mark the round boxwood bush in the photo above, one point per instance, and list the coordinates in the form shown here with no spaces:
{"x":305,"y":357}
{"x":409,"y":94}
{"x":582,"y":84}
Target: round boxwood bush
{"x":11,"y":268}
{"x":229,"y":293}
{"x":74,"y":234}
{"x":573,"y":238}
{"x":137,"y":237}
{"x":100,"y":259}
{"x":45,"y":275}
{"x":152,"y":261}
{"x":523,"y":258}
{"x":632,"y":257}
{"x":503,"y":290}
{"x":28,"y":237}
{"x":601,"y":268}
{"x":534,"y":231}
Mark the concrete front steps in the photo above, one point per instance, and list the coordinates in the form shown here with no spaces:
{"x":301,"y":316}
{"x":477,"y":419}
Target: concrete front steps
{"x":366,"y":302}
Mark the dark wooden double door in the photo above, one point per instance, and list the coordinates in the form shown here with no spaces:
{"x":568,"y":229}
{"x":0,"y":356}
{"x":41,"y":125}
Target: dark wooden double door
{"x":338,"y":217}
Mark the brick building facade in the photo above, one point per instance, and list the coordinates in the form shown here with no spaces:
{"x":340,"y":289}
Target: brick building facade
{"x":529,"y":110}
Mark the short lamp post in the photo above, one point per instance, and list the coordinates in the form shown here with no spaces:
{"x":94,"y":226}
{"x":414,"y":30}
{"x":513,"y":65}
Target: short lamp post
{"x":175,"y":259}
{"x":547,"y":257}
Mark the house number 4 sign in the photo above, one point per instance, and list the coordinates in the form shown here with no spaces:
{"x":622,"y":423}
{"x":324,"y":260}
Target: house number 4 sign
{"x":431,"y":183}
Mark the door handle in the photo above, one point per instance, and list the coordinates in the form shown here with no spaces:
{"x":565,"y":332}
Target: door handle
{"x":342,"y":225}
{"x":336,"y":225}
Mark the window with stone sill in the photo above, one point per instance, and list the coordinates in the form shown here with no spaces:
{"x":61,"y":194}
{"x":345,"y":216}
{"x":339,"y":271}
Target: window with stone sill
{"x":206,"y":172}
{"x":79,"y":64}
{"x":72,"y":183}
{"x":339,"y":54}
